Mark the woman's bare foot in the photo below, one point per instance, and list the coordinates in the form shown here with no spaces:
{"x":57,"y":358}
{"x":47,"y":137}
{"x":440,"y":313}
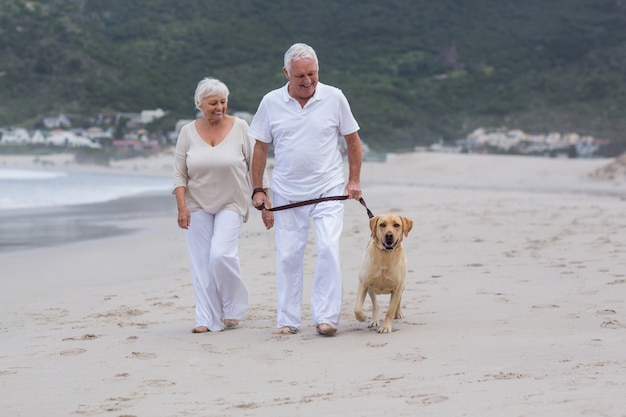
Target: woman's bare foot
{"x":230,"y":323}
{"x":285,"y":330}
{"x":326,"y":329}
{"x":200,"y":329}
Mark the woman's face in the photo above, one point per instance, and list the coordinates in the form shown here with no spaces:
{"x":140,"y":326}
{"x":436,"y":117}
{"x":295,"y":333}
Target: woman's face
{"x":214,"y":107}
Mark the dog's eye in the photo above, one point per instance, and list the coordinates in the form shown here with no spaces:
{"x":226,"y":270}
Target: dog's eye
{"x":396,"y":225}
{"x":382,"y":225}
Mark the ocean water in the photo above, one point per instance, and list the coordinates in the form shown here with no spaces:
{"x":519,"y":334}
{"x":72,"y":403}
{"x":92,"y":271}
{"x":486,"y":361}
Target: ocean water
{"x":20,"y":188}
{"x":49,"y":208}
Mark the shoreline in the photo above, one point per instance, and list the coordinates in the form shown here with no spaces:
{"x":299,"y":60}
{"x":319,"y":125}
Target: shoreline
{"x":38,"y":228}
{"x":430,"y":171}
{"x":35,"y":228}
{"x":43,"y":227}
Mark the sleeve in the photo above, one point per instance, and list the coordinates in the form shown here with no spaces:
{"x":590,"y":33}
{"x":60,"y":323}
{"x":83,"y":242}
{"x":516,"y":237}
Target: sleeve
{"x":180,"y":160}
{"x":347,"y":122}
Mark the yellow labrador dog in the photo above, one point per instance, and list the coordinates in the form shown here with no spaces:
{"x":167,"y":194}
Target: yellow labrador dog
{"x":383,"y":268}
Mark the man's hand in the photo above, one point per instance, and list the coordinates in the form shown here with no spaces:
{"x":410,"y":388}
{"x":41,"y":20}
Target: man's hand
{"x":268,"y":218}
{"x":353,"y":190}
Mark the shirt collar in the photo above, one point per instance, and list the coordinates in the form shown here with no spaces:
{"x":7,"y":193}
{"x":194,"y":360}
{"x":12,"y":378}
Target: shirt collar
{"x":318,"y":95}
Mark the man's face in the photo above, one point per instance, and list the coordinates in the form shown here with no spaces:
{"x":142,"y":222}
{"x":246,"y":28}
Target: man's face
{"x":302,"y":78}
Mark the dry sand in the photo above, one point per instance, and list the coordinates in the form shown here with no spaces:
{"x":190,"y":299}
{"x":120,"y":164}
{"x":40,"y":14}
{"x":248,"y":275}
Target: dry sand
{"x":515,"y":306}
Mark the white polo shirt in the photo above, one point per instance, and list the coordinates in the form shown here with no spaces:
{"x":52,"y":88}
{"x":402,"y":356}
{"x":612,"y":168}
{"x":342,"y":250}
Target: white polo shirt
{"x":307,"y":159}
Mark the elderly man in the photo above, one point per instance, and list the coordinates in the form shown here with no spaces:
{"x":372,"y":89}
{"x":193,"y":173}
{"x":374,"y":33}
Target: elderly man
{"x":303,"y":120}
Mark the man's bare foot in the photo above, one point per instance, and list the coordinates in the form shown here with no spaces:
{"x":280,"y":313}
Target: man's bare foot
{"x":326,"y":329}
{"x":200,"y":329}
{"x":230,"y":323}
{"x":285,"y":330}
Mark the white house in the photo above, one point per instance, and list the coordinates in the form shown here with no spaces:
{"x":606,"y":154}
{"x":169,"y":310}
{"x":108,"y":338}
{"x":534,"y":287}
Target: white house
{"x":71,"y":140}
{"x":16,"y":136}
{"x":95,"y":133}
{"x":148,"y":116}
{"x":38,"y":138}
{"x":53,"y":122}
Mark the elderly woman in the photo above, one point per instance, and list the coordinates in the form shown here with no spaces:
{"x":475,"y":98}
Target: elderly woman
{"x":212,"y":185}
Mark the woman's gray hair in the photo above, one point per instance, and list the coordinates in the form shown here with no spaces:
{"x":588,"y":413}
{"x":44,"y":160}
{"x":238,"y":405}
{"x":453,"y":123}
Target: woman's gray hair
{"x":299,"y":51}
{"x":210,"y":87}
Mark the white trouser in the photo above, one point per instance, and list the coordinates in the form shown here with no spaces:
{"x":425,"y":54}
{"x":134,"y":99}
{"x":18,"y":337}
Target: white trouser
{"x":291,"y":231}
{"x":213,"y":245}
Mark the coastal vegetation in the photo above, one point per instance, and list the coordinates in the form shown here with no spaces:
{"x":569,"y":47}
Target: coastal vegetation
{"x":416,"y":72}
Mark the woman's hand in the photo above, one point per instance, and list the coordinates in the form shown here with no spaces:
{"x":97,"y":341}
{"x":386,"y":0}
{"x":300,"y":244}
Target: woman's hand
{"x":266,"y":215}
{"x":260,"y":200}
{"x":184,"y":218}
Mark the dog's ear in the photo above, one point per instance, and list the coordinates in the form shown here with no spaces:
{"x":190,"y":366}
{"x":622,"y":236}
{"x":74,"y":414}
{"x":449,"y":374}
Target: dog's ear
{"x":373,"y":224}
{"x":407,"y":225}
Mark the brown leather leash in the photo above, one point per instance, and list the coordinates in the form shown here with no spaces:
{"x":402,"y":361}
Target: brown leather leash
{"x":314,"y":201}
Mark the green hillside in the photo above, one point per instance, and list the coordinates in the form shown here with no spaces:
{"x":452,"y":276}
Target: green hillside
{"x":415,"y":71}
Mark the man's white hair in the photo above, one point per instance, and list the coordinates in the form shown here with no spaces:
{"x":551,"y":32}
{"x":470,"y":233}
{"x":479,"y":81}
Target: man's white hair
{"x":299,"y":51}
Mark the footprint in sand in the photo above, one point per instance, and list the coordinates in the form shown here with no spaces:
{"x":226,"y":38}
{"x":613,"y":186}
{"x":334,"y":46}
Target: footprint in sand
{"x":121,"y":312}
{"x":409,"y":357}
{"x":165,"y":304}
{"x":158,"y":383}
{"x":386,"y":379}
{"x":507,"y":375}
{"x":427,"y":399}
{"x":502,"y":376}
{"x":87,"y":336}
{"x":612,"y":324}
{"x":143,"y":355}
{"x":546,"y":306}
{"x":72,"y":352}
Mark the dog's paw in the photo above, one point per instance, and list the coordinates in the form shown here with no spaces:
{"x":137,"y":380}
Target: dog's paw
{"x":398,"y":315}
{"x":375,"y":323}
{"x":384,"y":329}
{"x":359,"y":315}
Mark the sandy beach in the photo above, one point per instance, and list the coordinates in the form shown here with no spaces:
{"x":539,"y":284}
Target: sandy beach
{"x":515,"y":305}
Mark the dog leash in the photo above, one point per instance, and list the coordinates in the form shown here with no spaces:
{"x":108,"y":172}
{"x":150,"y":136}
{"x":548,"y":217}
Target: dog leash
{"x":314,"y":201}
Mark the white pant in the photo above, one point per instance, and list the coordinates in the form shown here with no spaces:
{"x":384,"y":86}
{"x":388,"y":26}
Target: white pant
{"x":213,"y":246}
{"x":291,"y":231}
